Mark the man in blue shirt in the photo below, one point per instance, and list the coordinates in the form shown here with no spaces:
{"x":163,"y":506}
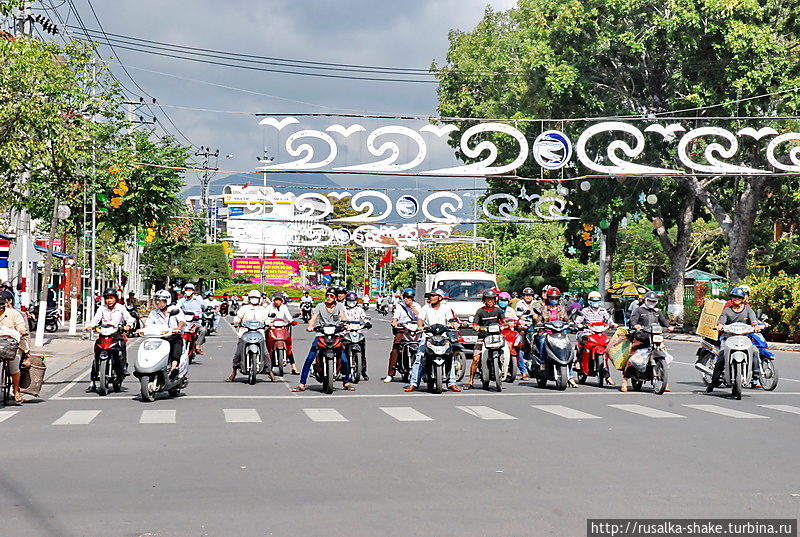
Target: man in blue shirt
{"x":192,"y":305}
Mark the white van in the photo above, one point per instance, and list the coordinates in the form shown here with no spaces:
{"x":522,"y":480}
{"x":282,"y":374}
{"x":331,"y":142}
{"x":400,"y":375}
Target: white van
{"x":465,"y":289}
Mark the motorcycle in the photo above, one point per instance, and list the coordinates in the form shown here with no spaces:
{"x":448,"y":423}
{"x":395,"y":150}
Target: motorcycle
{"x":407,"y":355}
{"x":652,"y":366}
{"x":382,"y":308}
{"x":152,"y":366}
{"x":107,"y":367}
{"x":354,"y":347}
{"x":737,"y":351}
{"x":708,"y":354}
{"x":438,"y":359}
{"x":253,"y":360}
{"x":492,"y":357}
{"x":327,"y":367}
{"x":514,"y":340}
{"x":558,"y":355}
{"x":278,"y":337}
{"x":208,"y":318}
{"x":305,"y":311}
{"x":189,"y":335}
{"x":591,"y":362}
{"x":52,"y":319}
{"x":233,"y":309}
{"x":137,"y":321}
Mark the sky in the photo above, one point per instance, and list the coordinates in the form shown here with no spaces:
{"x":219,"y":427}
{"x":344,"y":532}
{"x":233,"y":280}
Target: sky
{"x":412,"y":33}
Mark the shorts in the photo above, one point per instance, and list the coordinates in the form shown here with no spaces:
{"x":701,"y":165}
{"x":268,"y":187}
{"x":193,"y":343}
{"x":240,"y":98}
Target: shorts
{"x":13,"y":364}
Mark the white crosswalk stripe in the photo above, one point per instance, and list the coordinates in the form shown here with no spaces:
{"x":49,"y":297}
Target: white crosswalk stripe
{"x":77,"y":417}
{"x":723,"y":411}
{"x":324,"y":415}
{"x":485,"y":413}
{"x":405,"y":413}
{"x":157,"y":416}
{"x":241,"y":415}
{"x":783,"y":408}
{"x":7,"y":414}
{"x":566,"y":412}
{"x":647,"y":411}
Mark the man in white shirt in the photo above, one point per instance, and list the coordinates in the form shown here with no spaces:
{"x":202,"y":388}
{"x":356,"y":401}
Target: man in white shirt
{"x":433,"y":313}
{"x":115,"y":314}
{"x":252,"y":311}
{"x":405,"y":312}
{"x":172,"y":319}
{"x":278,"y":310}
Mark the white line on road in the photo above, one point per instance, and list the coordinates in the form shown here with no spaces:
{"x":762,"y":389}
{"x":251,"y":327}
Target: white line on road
{"x":783,"y":408}
{"x":722,"y":411}
{"x":692,"y":364}
{"x":566,"y":412}
{"x":7,"y":414}
{"x":405,"y":413}
{"x":485,"y":413}
{"x":241,"y":415}
{"x":647,"y":411}
{"x":77,"y":417}
{"x":157,"y":416}
{"x":69,"y":386}
{"x":324,"y":415}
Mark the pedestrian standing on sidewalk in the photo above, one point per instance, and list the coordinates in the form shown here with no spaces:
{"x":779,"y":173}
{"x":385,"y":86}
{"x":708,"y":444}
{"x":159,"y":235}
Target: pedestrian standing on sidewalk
{"x":12,"y":319}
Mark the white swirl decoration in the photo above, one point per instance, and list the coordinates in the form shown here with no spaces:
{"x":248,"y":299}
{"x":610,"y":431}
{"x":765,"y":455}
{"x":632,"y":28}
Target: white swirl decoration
{"x":388,"y":163}
{"x":555,"y":209}
{"x":619,"y":167}
{"x":484,"y":166}
{"x":794,"y":152}
{"x":712,"y":150}
{"x":306,"y":152}
{"x":365,"y":236}
{"x":311,"y":235}
{"x":312,"y":206}
{"x":446,"y":209}
{"x":509,"y":205}
{"x":368,"y":208}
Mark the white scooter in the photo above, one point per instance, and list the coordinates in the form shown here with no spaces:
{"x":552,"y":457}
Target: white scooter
{"x":153,"y":364}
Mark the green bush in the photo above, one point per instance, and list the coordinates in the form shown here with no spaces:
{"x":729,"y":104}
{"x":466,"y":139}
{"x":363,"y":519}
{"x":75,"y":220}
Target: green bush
{"x":779,"y":297}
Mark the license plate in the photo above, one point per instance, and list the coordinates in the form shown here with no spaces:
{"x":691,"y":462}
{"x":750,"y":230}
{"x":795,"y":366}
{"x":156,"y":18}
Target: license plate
{"x":470,"y":339}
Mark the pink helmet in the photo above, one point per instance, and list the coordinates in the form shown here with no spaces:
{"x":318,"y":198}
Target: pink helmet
{"x":504,"y":296}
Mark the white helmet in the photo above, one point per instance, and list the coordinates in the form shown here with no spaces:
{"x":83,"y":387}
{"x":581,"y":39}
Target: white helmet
{"x":254,"y":297}
{"x":189,"y":286}
{"x":164,"y":295}
{"x":594,"y":295}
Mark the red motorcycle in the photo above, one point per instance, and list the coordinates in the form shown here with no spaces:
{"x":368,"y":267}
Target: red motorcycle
{"x":279,"y":343}
{"x":592,"y":354}
{"x":189,"y":337}
{"x":327,"y":367}
{"x":107,"y":368}
{"x":511,"y":334}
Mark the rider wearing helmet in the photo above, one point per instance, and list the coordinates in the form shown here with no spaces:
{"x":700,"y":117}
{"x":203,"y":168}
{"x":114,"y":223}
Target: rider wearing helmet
{"x":341,"y":292}
{"x":595,"y":313}
{"x":738,"y":312}
{"x":645,"y":315}
{"x":505,"y":303}
{"x":192,"y":305}
{"x":435,"y":312}
{"x":488,"y":314}
{"x":252,"y":311}
{"x":527,"y":307}
{"x":355,"y":313}
{"x":111,"y":312}
{"x":407,"y":311}
{"x":552,"y":310}
{"x":328,"y":313}
{"x":278,"y":310}
{"x":163,"y":317}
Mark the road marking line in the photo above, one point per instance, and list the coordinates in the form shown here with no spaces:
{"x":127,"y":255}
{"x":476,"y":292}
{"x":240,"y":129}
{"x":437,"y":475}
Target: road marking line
{"x":647,"y":411}
{"x":157,"y":416}
{"x":405,"y":413}
{"x":241,"y":415}
{"x":7,"y":414}
{"x":324,"y":415}
{"x":69,"y":386}
{"x":566,"y":412}
{"x":77,"y":417}
{"x":783,"y":408}
{"x":721,"y":410}
{"x":485,"y":413}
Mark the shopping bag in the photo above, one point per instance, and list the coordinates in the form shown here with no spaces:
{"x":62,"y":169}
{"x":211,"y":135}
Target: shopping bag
{"x":619,"y":348}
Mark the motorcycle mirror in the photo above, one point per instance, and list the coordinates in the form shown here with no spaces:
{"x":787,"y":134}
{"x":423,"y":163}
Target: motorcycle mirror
{"x":296,"y":315}
{"x":174,"y":311}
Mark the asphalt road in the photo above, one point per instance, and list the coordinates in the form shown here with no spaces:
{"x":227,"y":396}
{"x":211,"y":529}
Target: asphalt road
{"x":233,"y":459}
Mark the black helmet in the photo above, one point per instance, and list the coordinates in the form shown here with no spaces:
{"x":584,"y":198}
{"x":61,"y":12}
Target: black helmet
{"x":351,"y":299}
{"x":332,"y":291}
{"x":110,"y":291}
{"x":341,"y":291}
{"x":489,"y":293}
{"x":527,"y":291}
{"x":409,"y":293}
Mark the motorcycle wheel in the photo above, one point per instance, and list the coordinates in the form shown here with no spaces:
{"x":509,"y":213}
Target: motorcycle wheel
{"x":512,"y":369}
{"x":102,"y":380}
{"x":280,"y":358}
{"x":148,"y":395}
{"x":50,"y":326}
{"x":438,"y":373}
{"x":252,"y":372}
{"x":484,"y":372}
{"x":660,"y":377}
{"x":563,"y":377}
{"x":330,"y":373}
{"x":769,"y":375}
{"x":581,"y":377}
{"x":601,"y":377}
{"x":736,"y":381}
{"x":708,"y":361}
{"x":541,"y":382}
{"x":636,"y":384}
{"x":496,"y":372}
{"x":459,"y":362}
{"x":355,"y":366}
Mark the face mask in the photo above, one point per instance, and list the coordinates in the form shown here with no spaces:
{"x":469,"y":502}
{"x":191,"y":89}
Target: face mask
{"x":503,"y":303}
{"x":552,"y":301}
{"x":254,"y":301}
{"x":351,"y":303}
{"x":595,"y":304}
{"x":650,"y":304}
{"x":188,"y":293}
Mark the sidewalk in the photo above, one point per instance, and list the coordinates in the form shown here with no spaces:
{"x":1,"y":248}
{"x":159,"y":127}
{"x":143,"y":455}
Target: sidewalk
{"x":61,"y":352}
{"x":696,"y":339}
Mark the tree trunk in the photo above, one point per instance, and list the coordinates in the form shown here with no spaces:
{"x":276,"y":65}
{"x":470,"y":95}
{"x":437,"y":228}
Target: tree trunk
{"x":48,"y":273}
{"x":607,"y":257}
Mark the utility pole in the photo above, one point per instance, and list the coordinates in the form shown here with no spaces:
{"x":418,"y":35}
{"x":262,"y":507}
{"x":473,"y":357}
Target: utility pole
{"x":206,"y":153}
{"x":264,"y":161}
{"x":24,"y":21}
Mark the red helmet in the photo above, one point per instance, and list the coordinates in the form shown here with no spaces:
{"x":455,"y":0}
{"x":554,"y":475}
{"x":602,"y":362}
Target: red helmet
{"x":553,"y":291}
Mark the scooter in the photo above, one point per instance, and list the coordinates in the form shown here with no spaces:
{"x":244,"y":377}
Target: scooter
{"x":305,"y":311}
{"x":514,"y":341}
{"x":153,"y":364}
{"x":410,"y":336}
{"x":253,"y":360}
{"x":137,"y":321}
{"x":492,"y":357}
{"x":208,"y":318}
{"x":438,"y":359}
{"x":107,"y":368}
{"x":354,"y":347}
{"x":591,"y":361}
{"x":233,"y":309}
{"x":278,"y":337}
{"x":709,"y":351}
{"x":653,"y":367}
{"x":327,"y":367}
{"x":223,"y":308}
{"x":558,"y":356}
{"x":52,"y":319}
{"x":189,"y":335}
{"x":738,"y":352}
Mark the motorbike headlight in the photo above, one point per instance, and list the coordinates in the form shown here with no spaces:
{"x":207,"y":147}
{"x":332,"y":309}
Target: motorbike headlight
{"x":151,"y":345}
{"x":438,"y":349}
{"x":559,"y":342}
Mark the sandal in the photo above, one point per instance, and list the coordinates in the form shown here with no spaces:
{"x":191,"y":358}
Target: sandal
{"x":623,"y":388}
{"x":468,"y":387}
{"x":349,"y":388}
{"x":18,"y":398}
{"x":300,"y":388}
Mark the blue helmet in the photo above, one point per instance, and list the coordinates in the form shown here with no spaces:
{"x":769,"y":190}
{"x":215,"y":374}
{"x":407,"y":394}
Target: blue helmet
{"x":737,"y":292}
{"x":409,"y":293}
